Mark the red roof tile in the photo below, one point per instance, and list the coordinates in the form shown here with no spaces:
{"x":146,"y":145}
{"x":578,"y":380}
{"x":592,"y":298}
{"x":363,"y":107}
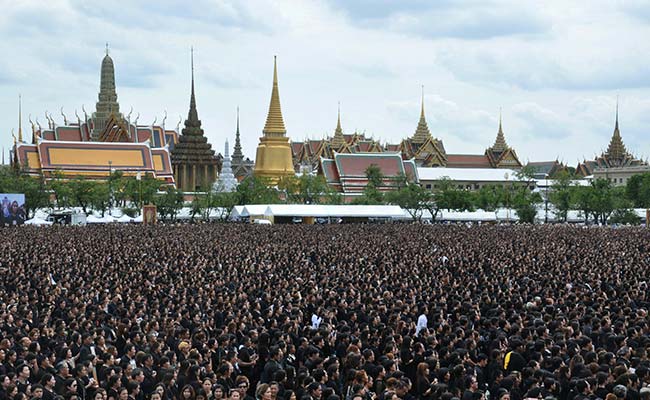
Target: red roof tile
{"x":468,"y":161}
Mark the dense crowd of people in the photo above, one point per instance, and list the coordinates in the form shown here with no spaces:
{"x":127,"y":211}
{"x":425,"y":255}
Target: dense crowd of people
{"x":338,"y":312}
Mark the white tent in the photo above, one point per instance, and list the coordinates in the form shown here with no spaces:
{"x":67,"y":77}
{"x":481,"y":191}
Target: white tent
{"x":137,"y":219}
{"x":91,"y":219}
{"x":324,"y":211}
{"x":37,"y":221}
{"x":124,"y":219}
{"x":236,"y":212}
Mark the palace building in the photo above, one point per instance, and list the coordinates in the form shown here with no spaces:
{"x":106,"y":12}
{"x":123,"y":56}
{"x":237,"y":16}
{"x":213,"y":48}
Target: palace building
{"x":96,"y":145}
{"x":307,"y":154}
{"x":429,"y":151}
{"x":615,"y":164}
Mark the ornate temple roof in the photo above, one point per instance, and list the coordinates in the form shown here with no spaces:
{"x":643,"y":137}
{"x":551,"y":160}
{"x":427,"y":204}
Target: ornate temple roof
{"x":422,"y":131}
{"x":616,"y":152}
{"x":500,"y":144}
{"x":193,"y":146}
{"x":274,"y":122}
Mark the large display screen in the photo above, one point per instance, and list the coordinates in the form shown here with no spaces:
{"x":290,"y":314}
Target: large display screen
{"x":13,"y":209}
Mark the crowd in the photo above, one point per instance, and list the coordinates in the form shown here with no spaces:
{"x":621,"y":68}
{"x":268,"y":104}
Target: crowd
{"x":339,"y":312}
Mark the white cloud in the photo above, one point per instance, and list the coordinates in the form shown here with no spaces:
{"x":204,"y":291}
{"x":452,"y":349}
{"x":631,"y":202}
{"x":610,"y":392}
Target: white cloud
{"x":555,"y":67}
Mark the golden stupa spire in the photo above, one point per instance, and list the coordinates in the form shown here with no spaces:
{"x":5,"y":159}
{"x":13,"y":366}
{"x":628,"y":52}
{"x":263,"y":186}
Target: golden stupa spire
{"x":274,"y":122}
{"x":20,"y":118}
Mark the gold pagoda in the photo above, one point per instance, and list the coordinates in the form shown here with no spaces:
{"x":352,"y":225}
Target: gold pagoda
{"x":273,"y":159}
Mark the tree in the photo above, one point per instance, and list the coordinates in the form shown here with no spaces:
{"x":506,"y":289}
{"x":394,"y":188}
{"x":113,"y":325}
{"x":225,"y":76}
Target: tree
{"x":521,"y":198}
{"x":625,"y":217}
{"x":489,"y":197}
{"x":582,"y":197}
{"x":61,"y":190}
{"x":637,"y":190}
{"x":169,"y":203}
{"x":525,"y":204}
{"x":225,"y":202}
{"x":257,"y":190}
{"x":100,"y":197}
{"x":450,"y":197}
{"x":82,"y":192}
{"x":412,"y":197}
{"x":604,"y":198}
{"x":139,"y":192}
{"x":306,"y":189}
{"x":561,"y":194}
{"x":371,"y":194}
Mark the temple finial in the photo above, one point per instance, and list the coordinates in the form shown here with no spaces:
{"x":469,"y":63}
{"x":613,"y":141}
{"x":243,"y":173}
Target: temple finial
{"x":275,"y":70}
{"x":106,"y":48}
{"x":422,"y":103}
{"x":616,"y":111}
{"x":192,"y":116}
{"x":500,"y":129}
{"x":20,"y":118}
{"x":237,"y":119}
{"x":339,"y":115}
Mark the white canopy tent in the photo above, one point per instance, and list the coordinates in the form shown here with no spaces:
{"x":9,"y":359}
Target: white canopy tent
{"x":38,"y":222}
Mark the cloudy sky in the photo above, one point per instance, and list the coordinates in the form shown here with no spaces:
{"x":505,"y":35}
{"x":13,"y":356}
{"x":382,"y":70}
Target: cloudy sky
{"x":555,"y":68}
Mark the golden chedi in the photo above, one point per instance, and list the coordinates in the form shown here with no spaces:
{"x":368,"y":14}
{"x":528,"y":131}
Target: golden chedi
{"x":273,"y":159}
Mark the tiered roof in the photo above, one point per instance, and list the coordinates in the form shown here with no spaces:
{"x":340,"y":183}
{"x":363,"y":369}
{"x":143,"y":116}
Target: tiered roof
{"x":193,"y":147}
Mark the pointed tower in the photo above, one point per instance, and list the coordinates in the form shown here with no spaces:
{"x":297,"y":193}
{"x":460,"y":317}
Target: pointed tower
{"x":227,"y":181}
{"x":237,"y":155}
{"x":193,"y":160}
{"x":273,"y":159}
{"x":500,"y":155}
{"x":500,"y":144}
{"x":422,"y":133}
{"x":107,"y":104}
{"x":338,"y":140}
{"x":616,"y":152}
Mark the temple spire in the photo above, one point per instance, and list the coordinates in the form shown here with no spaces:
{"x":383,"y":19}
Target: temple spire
{"x":338,"y":140}
{"x":616,"y":126}
{"x":192,"y":115}
{"x":20,"y":118}
{"x":422,"y":133}
{"x":616,"y":150}
{"x":107,"y":104}
{"x":237,"y":155}
{"x":500,"y":144}
{"x":274,"y":122}
{"x":422,"y":102}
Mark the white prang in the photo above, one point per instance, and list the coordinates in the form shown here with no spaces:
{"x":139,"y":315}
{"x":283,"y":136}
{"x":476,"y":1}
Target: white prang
{"x":227,"y":181}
